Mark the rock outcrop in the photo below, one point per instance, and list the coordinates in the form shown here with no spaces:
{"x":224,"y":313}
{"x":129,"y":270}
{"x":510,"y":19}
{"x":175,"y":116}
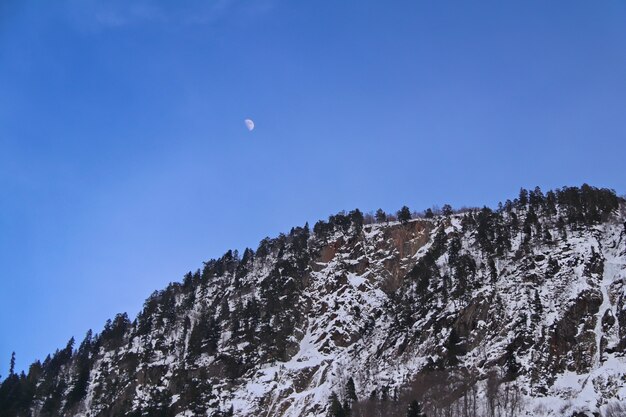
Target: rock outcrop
{"x":525,"y":303}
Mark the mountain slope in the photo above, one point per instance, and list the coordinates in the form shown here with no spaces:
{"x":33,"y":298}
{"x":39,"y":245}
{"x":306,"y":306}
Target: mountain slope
{"x":517,"y":311}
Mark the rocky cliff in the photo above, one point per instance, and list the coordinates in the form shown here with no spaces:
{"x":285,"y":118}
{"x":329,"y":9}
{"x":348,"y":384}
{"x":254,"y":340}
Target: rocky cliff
{"x":514,"y":311}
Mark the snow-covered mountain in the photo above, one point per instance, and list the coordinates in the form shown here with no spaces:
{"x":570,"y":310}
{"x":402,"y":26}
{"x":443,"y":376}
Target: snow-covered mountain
{"x":518,"y":311}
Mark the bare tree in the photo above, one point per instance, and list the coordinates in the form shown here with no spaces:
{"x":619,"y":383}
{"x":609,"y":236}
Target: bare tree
{"x":492,"y":393}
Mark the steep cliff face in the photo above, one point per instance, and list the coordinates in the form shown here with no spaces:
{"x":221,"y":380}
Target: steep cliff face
{"x":519,"y":311}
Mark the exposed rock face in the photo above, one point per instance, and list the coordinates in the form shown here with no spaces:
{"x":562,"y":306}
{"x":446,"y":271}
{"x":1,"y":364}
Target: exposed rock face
{"x":572,"y":343}
{"x":537,"y":302}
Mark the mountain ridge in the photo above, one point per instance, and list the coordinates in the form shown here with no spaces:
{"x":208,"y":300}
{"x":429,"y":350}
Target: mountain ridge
{"x":481,"y":305}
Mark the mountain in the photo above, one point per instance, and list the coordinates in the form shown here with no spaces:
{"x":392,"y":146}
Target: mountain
{"x":514,"y":311}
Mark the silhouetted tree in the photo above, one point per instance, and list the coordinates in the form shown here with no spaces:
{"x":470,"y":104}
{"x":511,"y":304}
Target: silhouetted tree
{"x":523,"y":197}
{"x":404,"y":215}
{"x":12,"y":365}
{"x":356,"y":218}
{"x":380,"y":216}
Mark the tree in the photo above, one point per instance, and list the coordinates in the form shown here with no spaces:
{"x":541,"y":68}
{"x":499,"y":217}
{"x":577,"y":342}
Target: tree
{"x":12,"y":366}
{"x":523,"y":197}
{"x":446,"y":210}
{"x":454,"y":247}
{"x":453,"y":348}
{"x":336,"y":409}
{"x":82,"y":368}
{"x":428,"y":213}
{"x":415,"y":410}
{"x":536,"y":198}
{"x":404,"y":215}
{"x":380,"y":216}
{"x":351,"y":390}
{"x":356,"y":218}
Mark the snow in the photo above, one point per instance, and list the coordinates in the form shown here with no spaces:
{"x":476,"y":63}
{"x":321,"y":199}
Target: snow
{"x":334,"y":342}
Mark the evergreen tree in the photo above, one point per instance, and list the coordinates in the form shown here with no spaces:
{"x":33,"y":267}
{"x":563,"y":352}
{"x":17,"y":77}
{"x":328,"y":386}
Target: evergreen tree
{"x":454,"y":247}
{"x":537,"y":308}
{"x":336,"y":408}
{"x":356,"y":218}
{"x":553,"y":267}
{"x":83,"y":364}
{"x":523,"y":198}
{"x":468,"y":222}
{"x":380,"y":216}
{"x":212,"y":335}
{"x":197,"y":338}
{"x":514,"y":223}
{"x":404,"y":215}
{"x":351,"y":390}
{"x":512,"y":366}
{"x":536,"y":198}
{"x":346,"y":409}
{"x":493,"y":272}
{"x":547,"y":236}
{"x":415,"y":410}
{"x":446,"y":210}
{"x":550,"y":203}
{"x":485,"y":229}
{"x":52,"y":404}
{"x":464,"y":271}
{"x":560,"y":225}
{"x":12,"y":365}
{"x":453,"y":348}
{"x":428,"y":213}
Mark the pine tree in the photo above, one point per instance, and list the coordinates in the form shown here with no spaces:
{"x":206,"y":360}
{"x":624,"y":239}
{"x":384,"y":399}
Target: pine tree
{"x":454,"y":247}
{"x":380,"y":216}
{"x":212,"y":336}
{"x":428,"y":213}
{"x":560,"y":225}
{"x":356,"y":218}
{"x":537,"y":308}
{"x":351,"y":390}
{"x":550,"y":204}
{"x":453,"y":348}
{"x":547,"y":236}
{"x":83,"y":364}
{"x":404,"y":215}
{"x":415,"y":410}
{"x":523,"y":198}
{"x":512,"y":366}
{"x":446,"y":210}
{"x":346,"y":409}
{"x":536,"y":198}
{"x":335,"y":409}
{"x":12,"y":366}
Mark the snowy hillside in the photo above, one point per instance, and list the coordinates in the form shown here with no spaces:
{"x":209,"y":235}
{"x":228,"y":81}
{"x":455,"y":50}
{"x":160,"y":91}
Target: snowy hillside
{"x":518,"y":311}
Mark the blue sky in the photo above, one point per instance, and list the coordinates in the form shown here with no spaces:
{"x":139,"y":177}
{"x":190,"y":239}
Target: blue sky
{"x":124,"y":160}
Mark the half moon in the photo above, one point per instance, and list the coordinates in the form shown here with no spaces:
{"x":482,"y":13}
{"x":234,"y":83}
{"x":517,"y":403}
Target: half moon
{"x":249,"y":124}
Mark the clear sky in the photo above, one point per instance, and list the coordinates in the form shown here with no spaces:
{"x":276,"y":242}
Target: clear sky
{"x":125,"y":161}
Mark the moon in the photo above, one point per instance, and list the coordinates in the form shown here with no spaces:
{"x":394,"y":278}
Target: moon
{"x":249,"y":124}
